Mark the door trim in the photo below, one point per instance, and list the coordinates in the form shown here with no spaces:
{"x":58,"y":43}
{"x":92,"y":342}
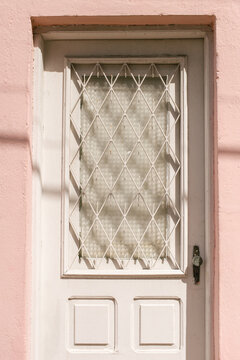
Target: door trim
{"x":66,"y":271}
{"x":146,"y":33}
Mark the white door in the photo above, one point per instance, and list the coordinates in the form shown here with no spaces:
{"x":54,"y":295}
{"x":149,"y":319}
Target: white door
{"x":123,"y":201}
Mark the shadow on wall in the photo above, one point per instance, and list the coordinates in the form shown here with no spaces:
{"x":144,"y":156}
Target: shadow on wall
{"x":22,"y":142}
{"x":14,"y":139}
{"x":229,"y":152}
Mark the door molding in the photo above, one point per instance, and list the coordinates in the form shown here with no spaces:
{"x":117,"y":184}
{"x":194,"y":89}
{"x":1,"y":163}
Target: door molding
{"x":66,"y":270}
{"x":125,"y":33}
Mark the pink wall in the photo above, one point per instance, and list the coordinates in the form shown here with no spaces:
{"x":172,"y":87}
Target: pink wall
{"x":16,"y":51}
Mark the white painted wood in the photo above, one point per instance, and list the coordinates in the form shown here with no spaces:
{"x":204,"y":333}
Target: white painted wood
{"x":53,"y":290}
{"x":209,"y":190}
{"x":125,"y":34}
{"x":163,"y":316}
{"x":37,"y":188}
{"x":91,"y":325}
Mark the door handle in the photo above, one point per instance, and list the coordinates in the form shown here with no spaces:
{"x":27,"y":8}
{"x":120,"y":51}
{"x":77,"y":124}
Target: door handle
{"x":197,"y":262}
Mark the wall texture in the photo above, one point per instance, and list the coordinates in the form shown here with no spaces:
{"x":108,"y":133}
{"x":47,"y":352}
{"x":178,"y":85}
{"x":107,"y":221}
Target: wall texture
{"x":16,"y":52}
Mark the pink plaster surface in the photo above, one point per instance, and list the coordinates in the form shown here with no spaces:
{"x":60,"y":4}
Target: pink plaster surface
{"x":16,"y":50}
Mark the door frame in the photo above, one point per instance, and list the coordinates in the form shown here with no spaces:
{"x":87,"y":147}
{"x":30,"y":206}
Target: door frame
{"x":160,"y":32}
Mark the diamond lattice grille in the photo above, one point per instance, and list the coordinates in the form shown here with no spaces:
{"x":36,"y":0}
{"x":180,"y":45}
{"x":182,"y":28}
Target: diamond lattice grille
{"x":124,"y":164}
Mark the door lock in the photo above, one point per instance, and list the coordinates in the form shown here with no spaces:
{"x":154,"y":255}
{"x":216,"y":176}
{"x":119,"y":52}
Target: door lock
{"x":197,"y":262}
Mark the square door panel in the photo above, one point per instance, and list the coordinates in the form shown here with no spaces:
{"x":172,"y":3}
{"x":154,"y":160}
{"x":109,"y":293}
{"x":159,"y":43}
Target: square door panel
{"x":91,"y":325}
{"x":156,"y":324}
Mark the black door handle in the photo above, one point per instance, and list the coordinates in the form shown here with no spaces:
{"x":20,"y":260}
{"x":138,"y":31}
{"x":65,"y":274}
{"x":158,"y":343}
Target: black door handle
{"x":197,"y":262}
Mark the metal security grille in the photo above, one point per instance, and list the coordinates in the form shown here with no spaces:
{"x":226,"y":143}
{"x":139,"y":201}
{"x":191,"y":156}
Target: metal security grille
{"x":124,"y":164}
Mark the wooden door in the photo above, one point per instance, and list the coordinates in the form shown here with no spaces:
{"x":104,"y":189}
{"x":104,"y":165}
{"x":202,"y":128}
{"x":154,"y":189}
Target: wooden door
{"x":123,"y":200}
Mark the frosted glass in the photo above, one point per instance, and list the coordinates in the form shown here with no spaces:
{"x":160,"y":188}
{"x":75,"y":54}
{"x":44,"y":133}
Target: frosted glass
{"x":121,"y":118}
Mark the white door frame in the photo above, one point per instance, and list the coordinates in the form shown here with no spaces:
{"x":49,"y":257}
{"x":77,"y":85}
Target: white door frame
{"x":140,"y":33}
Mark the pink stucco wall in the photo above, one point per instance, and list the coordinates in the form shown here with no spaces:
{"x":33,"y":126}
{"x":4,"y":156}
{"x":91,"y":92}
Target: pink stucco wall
{"x":16,"y":50}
